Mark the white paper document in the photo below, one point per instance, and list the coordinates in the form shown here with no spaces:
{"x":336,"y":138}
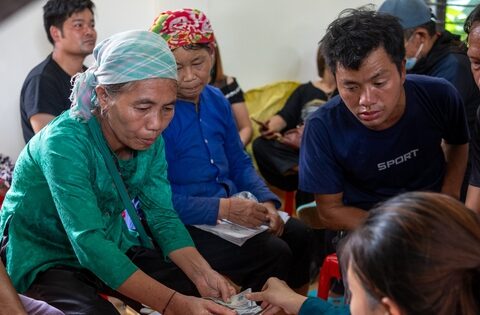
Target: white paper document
{"x":235,"y":233}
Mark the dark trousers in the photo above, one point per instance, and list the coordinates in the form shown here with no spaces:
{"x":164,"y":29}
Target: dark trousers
{"x":275,"y":162}
{"x":77,"y":291}
{"x":287,"y":257}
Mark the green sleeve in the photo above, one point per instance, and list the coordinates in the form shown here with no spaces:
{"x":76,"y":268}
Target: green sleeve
{"x":156,"y":200}
{"x":71,"y":168}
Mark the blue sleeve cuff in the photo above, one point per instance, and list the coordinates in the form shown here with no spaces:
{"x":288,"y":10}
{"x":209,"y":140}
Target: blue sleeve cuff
{"x":269,"y":196}
{"x":196,"y":210}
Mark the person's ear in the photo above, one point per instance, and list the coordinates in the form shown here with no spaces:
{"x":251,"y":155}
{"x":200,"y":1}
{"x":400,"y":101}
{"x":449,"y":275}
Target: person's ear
{"x":391,"y":307}
{"x":422,"y":35}
{"x":102,"y":98}
{"x":55,"y":33}
{"x":212,"y":55}
{"x":102,"y":95}
{"x":403,"y":70}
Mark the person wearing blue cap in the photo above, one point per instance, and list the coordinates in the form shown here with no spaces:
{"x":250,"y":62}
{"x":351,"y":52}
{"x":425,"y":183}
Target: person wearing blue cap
{"x":63,"y":215}
{"x":437,"y":54}
{"x":472,"y":29}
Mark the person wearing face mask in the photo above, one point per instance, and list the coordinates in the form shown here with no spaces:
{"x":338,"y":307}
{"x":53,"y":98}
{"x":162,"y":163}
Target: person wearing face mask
{"x":437,"y":54}
{"x":412,"y":61}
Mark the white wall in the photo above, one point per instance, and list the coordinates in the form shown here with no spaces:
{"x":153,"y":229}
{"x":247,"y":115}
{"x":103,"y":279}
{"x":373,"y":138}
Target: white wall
{"x":261,"y":41}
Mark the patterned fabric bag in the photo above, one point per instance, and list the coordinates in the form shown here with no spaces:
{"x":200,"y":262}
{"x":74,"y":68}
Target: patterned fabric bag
{"x":6,"y":171}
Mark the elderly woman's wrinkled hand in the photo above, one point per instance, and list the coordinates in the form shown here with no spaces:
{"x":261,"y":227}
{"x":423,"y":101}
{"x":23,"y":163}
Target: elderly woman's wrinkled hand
{"x":183,"y":304}
{"x":212,"y":284}
{"x":247,"y":212}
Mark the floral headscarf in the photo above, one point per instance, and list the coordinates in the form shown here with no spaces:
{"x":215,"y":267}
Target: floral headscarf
{"x":183,"y":27}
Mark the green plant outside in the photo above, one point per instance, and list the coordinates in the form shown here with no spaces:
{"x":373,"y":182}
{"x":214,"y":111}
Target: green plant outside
{"x":456,"y":14}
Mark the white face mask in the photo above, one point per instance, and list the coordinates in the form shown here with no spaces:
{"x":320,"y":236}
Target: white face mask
{"x":410,"y":63}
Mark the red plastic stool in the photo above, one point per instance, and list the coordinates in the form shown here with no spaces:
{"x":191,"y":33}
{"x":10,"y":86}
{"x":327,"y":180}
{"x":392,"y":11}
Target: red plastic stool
{"x":3,"y":192}
{"x":289,"y":202}
{"x":330,"y":270}
{"x":103,"y":296}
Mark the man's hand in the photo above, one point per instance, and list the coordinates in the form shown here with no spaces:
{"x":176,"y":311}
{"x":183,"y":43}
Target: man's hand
{"x":272,"y":127}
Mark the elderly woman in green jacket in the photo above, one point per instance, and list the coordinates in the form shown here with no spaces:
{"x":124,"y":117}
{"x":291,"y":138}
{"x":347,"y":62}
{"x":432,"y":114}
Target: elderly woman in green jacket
{"x":67,"y":241}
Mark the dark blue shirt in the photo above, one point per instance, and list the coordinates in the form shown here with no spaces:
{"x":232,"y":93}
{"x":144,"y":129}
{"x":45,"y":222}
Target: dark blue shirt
{"x":448,"y":60}
{"x":340,"y":154}
{"x":206,"y":160}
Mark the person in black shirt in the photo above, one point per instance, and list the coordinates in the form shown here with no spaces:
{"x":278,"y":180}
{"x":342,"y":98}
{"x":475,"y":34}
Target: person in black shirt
{"x":234,"y":94}
{"x":70,"y":27}
{"x":277,"y":162}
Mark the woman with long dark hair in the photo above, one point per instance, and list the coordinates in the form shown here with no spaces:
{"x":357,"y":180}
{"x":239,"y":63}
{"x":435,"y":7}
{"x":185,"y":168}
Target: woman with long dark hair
{"x":416,"y":254}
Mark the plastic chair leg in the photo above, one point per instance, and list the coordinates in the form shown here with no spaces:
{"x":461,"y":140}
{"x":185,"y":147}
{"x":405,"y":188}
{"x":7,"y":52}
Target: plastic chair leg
{"x":329,"y":271}
{"x":289,"y":202}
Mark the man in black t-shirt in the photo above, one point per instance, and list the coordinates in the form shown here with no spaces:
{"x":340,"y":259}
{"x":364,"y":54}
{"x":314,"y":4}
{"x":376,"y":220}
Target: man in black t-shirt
{"x":278,"y":162}
{"x":70,"y":27}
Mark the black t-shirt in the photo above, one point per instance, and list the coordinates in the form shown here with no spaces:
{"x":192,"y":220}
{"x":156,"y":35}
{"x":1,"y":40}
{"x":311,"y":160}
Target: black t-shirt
{"x":232,"y":91}
{"x":46,"y":90}
{"x":304,"y":100}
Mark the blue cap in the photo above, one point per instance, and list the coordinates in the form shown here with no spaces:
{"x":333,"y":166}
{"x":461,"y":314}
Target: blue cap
{"x":411,"y":13}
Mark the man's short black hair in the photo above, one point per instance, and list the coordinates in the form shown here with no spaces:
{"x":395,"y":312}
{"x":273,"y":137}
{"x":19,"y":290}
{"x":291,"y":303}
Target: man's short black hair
{"x":320,"y":63}
{"x":356,"y":33}
{"x":56,"y":12}
{"x":472,"y":18}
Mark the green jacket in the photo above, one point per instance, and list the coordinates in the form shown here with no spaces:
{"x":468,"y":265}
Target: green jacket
{"x":65,"y":208}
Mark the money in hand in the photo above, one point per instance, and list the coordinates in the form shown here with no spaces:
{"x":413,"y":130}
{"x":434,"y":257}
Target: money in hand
{"x":241,"y":304}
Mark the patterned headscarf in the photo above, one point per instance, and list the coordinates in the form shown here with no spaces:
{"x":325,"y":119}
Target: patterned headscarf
{"x":184,"y":27}
{"x":124,"y":57}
